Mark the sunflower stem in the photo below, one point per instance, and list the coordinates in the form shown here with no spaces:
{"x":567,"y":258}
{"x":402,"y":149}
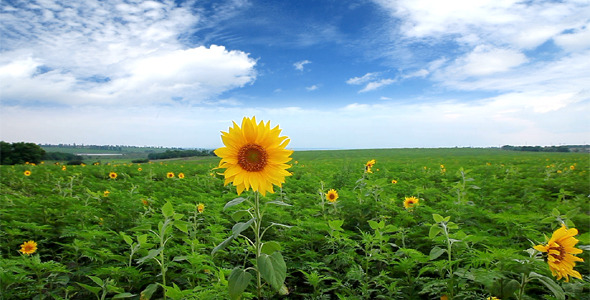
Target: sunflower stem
{"x":258,"y":242}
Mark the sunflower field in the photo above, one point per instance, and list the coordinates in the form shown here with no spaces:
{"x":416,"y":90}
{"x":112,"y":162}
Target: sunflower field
{"x":349,"y":224}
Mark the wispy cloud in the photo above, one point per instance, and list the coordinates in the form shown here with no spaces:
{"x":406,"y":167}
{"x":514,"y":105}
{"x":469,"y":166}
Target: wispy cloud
{"x":112,"y":52}
{"x":363,"y":79}
{"x":312,"y":88}
{"x":301,"y":64}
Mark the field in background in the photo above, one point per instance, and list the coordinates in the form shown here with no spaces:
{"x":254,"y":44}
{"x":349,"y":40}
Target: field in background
{"x":94,"y":238}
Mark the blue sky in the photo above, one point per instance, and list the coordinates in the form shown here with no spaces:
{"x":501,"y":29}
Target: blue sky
{"x":332,"y":74}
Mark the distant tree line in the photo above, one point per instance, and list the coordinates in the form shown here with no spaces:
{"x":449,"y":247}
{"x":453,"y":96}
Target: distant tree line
{"x":20,"y":153}
{"x":180,"y":153}
{"x":537,"y":148}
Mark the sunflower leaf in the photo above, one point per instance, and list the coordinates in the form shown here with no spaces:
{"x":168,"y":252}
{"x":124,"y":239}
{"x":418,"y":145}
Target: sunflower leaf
{"x":550,"y":284}
{"x":279,"y":202}
{"x":273,"y":269}
{"x":238,"y":281}
{"x":241,"y":226}
{"x":436,"y":252}
{"x":222,"y":245}
{"x":234,"y":202}
{"x":437,"y":218}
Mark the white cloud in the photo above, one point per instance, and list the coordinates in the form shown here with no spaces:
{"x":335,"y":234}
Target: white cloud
{"x":300,"y":64}
{"x":377,"y":84}
{"x":312,"y":88}
{"x":512,"y":118}
{"x":521,"y":25}
{"x":113,"y":52}
{"x":363,"y":79}
{"x":577,"y":40}
{"x":486,"y":60}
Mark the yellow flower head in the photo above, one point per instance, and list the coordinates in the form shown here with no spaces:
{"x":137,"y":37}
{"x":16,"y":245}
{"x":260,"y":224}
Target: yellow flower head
{"x":332,"y":195}
{"x":113,"y":175}
{"x":181,"y":175}
{"x":170,"y":175}
{"x":370,"y":163}
{"x":560,"y":250}
{"x":28,"y":248}
{"x":254,"y":156}
{"x":106,"y":193}
{"x":200,"y":207}
{"x":410,"y":202}
{"x":139,"y":169}
{"x":145,"y":202}
{"x":492,"y":298}
{"x":444,"y":297}
{"x":572,"y":167}
{"x":63,"y":168}
{"x":27,"y":173}
{"x":393,"y":181}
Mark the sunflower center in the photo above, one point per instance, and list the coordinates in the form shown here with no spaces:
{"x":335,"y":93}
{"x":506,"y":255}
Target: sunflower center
{"x":331,"y":196}
{"x":561,"y":250}
{"x":252,"y":158}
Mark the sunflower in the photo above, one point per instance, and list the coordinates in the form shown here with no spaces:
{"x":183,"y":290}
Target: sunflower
{"x":139,"y":169}
{"x":106,"y":193}
{"x":369,"y":165}
{"x":113,"y":175}
{"x":254,"y":156}
{"x":170,"y":175}
{"x":393,"y":181}
{"x":28,"y":248}
{"x":27,"y":173}
{"x":63,"y":168}
{"x":332,"y":195}
{"x":200,"y":207}
{"x":560,"y":250}
{"x":410,"y":202}
{"x":181,"y":175}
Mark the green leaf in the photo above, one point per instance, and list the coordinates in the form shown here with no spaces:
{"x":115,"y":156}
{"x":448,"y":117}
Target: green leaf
{"x":234,"y":202}
{"x":96,"y":280}
{"x":436,"y":252}
{"x":222,"y":245}
{"x":434,"y":231}
{"x":182,"y":226}
{"x":241,"y":226}
{"x":375,"y":226}
{"x":127,"y":239}
{"x":238,"y":215}
{"x":142,"y":239}
{"x":270,"y":247}
{"x":167,"y":210}
{"x":178,"y":216}
{"x":550,"y":284}
{"x":279,"y":202}
{"x":273,"y":269}
{"x":238,"y":281}
{"x":336,"y":224}
{"x":452,"y":225}
{"x":555,"y":212}
{"x":151,"y":254}
{"x":123,"y":295}
{"x":279,"y":224}
{"x":92,"y":289}
{"x":149,"y":291}
{"x":437,"y":218}
{"x":447,"y":218}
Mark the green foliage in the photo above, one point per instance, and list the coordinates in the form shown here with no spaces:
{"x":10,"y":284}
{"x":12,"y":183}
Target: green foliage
{"x":20,"y":153}
{"x":147,"y":229}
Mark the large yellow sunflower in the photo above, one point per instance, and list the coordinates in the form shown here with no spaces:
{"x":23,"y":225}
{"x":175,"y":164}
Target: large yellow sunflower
{"x":28,"y":248}
{"x":560,"y":250}
{"x":254,"y":156}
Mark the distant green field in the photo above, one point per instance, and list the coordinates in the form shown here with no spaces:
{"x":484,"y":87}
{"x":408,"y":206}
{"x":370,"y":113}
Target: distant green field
{"x":140,"y":232}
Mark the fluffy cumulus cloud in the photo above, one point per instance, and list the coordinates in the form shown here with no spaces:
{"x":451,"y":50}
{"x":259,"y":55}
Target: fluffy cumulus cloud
{"x":532,"y":52}
{"x":118,"y":51}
